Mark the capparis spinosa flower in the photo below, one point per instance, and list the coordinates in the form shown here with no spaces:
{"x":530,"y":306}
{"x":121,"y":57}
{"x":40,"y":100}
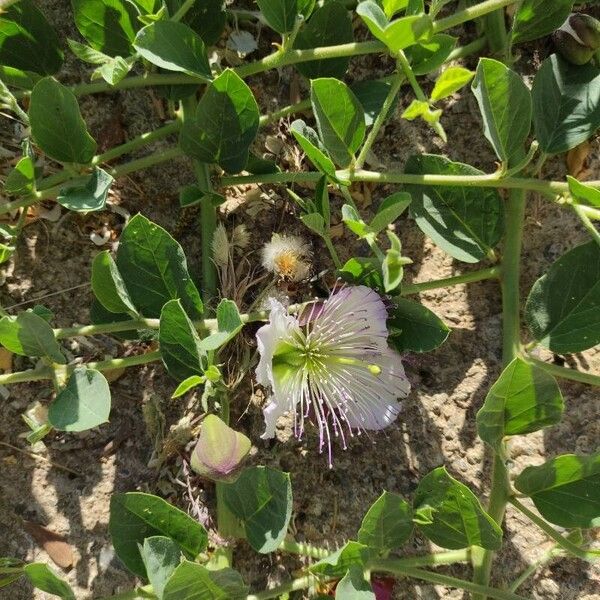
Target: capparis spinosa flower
{"x":332,"y":365}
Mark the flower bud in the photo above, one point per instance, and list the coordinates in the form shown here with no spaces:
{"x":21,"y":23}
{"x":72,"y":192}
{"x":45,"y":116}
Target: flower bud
{"x":220,"y":451}
{"x":578,"y":38}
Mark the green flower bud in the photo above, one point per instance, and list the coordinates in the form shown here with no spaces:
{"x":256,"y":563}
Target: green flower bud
{"x":220,"y":451}
{"x":578,"y":38}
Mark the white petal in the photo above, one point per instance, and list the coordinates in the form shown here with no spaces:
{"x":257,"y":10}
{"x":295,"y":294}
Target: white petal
{"x":281,"y":326}
{"x":286,"y":395}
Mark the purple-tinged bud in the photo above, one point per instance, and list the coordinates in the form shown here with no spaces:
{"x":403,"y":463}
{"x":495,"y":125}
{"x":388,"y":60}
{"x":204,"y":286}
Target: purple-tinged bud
{"x":578,"y":38}
{"x":220,"y":451}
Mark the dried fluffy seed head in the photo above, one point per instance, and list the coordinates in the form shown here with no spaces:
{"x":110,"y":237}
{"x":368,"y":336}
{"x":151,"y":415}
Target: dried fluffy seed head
{"x":287,"y":256}
{"x":240,"y":238}
{"x":220,"y":246}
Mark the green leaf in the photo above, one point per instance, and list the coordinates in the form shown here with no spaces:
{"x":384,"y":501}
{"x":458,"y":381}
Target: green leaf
{"x":354,"y":586}
{"x":173,"y":46}
{"x":279,"y":14}
{"x":161,"y":556}
{"x":566,"y":489}
{"x":147,"y":248}
{"x":108,"y":25}
{"x":450,"y":81}
{"x":225,"y":124}
{"x":114,"y":70}
{"x":429,"y":55}
{"x":261,"y":499}
{"x":371,"y":96}
{"x":87,"y":53}
{"x":329,"y":25}
{"x":99,"y":315}
{"x":398,"y":34}
{"x":387,"y":524}
{"x":421,"y":108}
{"x":451,"y":516}
{"x":229,"y":325}
{"x":108,"y":285}
{"x":354,"y":222}
{"x":315,"y":222}
{"x":566,"y":104}
{"x":392,"y":269}
{"x":21,"y":179}
{"x":220,"y":450}
{"x":337,"y":564}
{"x":563,"y":307}
{"x":581,"y":193}
{"x":505,"y":105}
{"x":414,"y":328}
{"x":179,"y":342}
{"x":363,"y":271}
{"x":524,"y":399}
{"x":57,"y":126}
{"x":537,"y":18}
{"x":27,"y":41}
{"x":83,"y":404}
{"x":88,"y":197}
{"x":191,"y":581}
{"x":312,"y":147}
{"x":465,"y":222}
{"x":188,"y":384}
{"x":135,"y":516}
{"x":389,"y":210}
{"x":391,"y":7}
{"x":43,"y":578}
{"x":30,"y":335}
{"x":206,"y":17}
{"x":340,"y":118}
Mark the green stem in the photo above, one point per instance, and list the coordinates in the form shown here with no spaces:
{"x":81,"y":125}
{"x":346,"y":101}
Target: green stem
{"x":471,"y":277}
{"x":587,"y":223}
{"x":397,"y":81}
{"x":183,"y":10}
{"x":562,"y":541}
{"x":493,"y":180}
{"x":565,"y":373}
{"x":137,"y":142}
{"x":533,"y":567}
{"x":511,"y":333}
{"x":419,"y":93}
{"x":281,"y":590}
{"x":326,"y":237}
{"x":470,"y":13}
{"x":292,"y":547}
{"x":397,"y":568}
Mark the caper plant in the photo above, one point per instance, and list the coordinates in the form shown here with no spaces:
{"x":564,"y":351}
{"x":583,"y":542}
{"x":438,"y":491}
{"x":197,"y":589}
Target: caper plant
{"x":334,"y":362}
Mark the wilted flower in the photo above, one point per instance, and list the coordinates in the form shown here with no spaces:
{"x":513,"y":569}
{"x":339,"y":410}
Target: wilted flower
{"x":331,"y":364}
{"x":287,"y":256}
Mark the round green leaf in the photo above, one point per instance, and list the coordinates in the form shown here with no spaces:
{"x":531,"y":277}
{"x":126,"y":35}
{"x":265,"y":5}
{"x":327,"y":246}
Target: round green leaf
{"x":179,"y":342}
{"x":89,"y":196}
{"x":108,"y":285}
{"x":107,"y":25}
{"x":173,"y":46}
{"x":42,"y":577}
{"x":191,"y":581}
{"x":566,"y":489}
{"x":563,"y":307}
{"x":261,"y":499}
{"x":206,"y":17}
{"x":354,"y":586}
{"x":337,"y":564}
{"x":161,"y":556}
{"x":465,"y":222}
{"x":311,"y":145}
{"x":30,"y":335}
{"x":451,"y":516}
{"x":329,"y":25}
{"x":387,"y":524}
{"x":566,"y":104}
{"x":57,"y":126}
{"x":340,"y":118}
{"x":225,"y":124}
{"x":279,"y":14}
{"x":83,"y":404}
{"x":429,"y":55}
{"x":135,"y":516}
{"x":524,"y":399}
{"x":537,"y":18}
{"x":148,"y":249}
{"x":27,"y":40}
{"x":505,"y":105}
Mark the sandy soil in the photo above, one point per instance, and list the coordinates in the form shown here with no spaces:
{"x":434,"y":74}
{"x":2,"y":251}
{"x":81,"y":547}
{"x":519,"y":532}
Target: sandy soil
{"x":437,"y":424}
